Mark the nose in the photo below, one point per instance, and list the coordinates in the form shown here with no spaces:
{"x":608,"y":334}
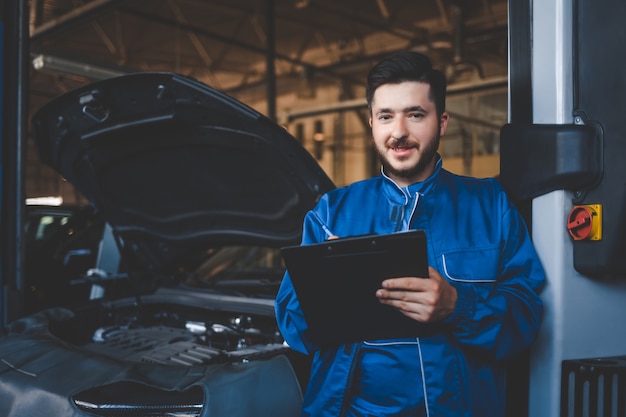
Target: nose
{"x":399,"y":130}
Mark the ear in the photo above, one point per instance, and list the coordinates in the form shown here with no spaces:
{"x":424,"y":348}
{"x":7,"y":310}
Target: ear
{"x":370,"y":122}
{"x":443,"y":123}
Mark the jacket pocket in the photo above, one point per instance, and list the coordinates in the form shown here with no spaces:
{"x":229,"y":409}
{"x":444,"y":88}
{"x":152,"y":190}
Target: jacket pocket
{"x":474,"y":266}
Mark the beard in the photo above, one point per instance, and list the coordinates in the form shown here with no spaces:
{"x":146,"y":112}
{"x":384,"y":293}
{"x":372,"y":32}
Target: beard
{"x":427,"y":154}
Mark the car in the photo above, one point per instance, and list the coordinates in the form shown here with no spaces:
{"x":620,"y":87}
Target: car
{"x":198,"y":192}
{"x":62,"y":243}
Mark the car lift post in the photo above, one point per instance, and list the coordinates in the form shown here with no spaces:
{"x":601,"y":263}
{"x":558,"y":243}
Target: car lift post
{"x":13,"y":101}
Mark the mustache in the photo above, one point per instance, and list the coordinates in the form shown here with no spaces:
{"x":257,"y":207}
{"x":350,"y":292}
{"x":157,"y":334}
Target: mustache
{"x":400,"y":143}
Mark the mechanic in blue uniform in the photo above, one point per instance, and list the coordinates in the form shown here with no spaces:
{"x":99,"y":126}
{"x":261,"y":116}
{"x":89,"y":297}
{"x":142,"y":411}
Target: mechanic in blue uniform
{"x":484,"y":275}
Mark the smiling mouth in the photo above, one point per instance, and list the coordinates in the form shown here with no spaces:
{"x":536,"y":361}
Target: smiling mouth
{"x":402,"y":152}
{"x":400,"y":145}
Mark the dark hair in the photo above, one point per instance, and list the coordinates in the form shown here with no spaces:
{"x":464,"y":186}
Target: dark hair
{"x":407,"y":66}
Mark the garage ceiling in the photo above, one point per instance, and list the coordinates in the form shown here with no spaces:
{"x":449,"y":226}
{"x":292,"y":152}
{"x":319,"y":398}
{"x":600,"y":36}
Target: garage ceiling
{"x":243,"y":46}
{"x":225,"y":43}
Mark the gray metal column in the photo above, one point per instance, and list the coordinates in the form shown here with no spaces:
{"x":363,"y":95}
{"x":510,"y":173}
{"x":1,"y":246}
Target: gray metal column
{"x":584,"y":318}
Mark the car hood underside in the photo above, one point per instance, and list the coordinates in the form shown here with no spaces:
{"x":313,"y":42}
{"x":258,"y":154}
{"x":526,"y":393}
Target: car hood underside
{"x":172,"y":165}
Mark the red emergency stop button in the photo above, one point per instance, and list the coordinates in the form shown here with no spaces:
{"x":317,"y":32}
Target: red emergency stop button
{"x":585,"y":222}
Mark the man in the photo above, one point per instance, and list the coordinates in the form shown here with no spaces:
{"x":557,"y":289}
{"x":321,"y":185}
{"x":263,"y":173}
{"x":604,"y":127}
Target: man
{"x":484,"y":274}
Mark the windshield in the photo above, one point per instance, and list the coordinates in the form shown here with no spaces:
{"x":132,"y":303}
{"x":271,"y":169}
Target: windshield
{"x":242,"y":269}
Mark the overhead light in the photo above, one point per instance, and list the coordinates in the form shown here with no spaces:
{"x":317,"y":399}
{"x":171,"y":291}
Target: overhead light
{"x":67,"y":66}
{"x":301,"y":4}
{"x":318,"y":139}
{"x":44,"y":201}
{"x":440,"y":41}
{"x":318,"y":133}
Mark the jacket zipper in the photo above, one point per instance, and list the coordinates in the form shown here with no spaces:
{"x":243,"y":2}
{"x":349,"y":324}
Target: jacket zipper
{"x":417,"y":199}
{"x":347,"y":391}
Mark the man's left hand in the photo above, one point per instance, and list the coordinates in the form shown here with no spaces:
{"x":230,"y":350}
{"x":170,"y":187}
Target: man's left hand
{"x":424,"y":300}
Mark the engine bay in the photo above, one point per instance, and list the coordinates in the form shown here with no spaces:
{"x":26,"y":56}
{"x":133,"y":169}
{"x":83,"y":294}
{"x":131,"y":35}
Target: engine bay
{"x":172,"y":334}
{"x":187,"y":342}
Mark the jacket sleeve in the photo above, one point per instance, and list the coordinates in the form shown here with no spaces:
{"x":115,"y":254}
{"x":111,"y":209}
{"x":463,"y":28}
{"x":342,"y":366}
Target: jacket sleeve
{"x":505,"y":319}
{"x":289,"y":315}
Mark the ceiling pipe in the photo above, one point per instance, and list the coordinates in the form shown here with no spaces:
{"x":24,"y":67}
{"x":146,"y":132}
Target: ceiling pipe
{"x":270,"y":60}
{"x":456,"y":14}
{"x":360,"y":103}
{"x":459,"y":64}
{"x":384,"y":11}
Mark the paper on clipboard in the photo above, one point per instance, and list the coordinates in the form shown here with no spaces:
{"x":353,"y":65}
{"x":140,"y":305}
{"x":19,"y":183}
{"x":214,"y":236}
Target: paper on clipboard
{"x":336,"y":283}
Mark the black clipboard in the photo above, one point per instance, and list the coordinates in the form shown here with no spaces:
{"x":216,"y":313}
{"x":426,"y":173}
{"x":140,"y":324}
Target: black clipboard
{"x":336,"y":283}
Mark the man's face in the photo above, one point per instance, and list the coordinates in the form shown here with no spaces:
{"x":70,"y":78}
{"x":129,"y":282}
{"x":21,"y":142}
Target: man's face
{"x":406,"y":130}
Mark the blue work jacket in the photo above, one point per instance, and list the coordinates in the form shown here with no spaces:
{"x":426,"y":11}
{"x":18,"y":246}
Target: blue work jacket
{"x":478,"y":241}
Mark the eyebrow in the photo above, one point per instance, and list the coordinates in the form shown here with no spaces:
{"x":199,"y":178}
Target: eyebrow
{"x":405,"y":110}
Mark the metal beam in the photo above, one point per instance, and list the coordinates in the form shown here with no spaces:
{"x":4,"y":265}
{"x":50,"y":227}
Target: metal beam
{"x":78,"y":14}
{"x":360,"y":103}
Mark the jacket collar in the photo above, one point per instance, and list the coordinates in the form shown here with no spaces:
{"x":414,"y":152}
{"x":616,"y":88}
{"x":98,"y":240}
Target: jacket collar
{"x":402,"y":195}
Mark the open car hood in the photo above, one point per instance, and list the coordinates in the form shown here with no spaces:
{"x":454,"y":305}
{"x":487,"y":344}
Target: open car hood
{"x":172,"y":163}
